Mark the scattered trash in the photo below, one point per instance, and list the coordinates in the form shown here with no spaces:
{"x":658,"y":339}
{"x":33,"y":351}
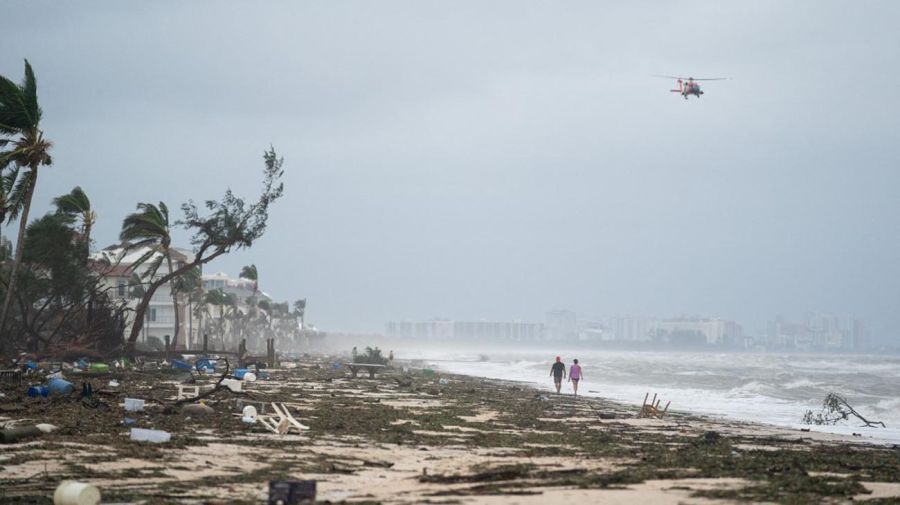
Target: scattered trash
{"x":99,"y":368}
{"x":249,"y":414}
{"x":155,"y":436}
{"x":249,"y":377}
{"x":55,"y":375}
{"x":11,"y":376}
{"x":234,"y":385}
{"x":87,"y":390}
{"x":291,"y":492}
{"x":240,"y":372}
{"x":72,"y":492}
{"x":282,"y":422}
{"x":45,"y":428}
{"x":113,"y":383}
{"x":134,"y":404}
{"x":652,"y":409}
{"x":127,"y":420}
{"x":60,"y":386}
{"x":17,"y":433}
{"x":197,"y":409}
{"x":262,"y":375}
{"x":187,"y":392}
{"x":35,"y":391}
{"x":205,"y":365}
{"x":181,"y":365}
{"x":443,"y":382}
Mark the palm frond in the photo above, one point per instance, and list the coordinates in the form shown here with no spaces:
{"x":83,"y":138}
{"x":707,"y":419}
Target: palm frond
{"x":29,"y":93}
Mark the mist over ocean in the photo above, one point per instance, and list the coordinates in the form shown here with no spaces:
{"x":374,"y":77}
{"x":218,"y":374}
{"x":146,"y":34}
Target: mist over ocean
{"x":767,"y":388}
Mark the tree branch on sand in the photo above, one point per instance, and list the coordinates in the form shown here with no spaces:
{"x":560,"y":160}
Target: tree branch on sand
{"x":834,"y":410}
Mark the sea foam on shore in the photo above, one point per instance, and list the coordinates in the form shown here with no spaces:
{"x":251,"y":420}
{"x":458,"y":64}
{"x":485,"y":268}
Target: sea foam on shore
{"x":774,"y":389}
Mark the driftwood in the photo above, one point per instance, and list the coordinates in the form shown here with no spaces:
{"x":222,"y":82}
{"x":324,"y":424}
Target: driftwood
{"x":835,"y":409}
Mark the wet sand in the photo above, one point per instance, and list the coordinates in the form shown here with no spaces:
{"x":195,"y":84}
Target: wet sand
{"x":409,"y":439}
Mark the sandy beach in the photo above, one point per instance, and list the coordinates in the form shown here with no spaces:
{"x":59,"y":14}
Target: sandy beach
{"x":408,"y":438}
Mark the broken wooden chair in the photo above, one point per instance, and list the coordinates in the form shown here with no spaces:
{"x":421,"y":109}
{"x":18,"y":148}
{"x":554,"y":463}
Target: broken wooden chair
{"x":652,"y":409}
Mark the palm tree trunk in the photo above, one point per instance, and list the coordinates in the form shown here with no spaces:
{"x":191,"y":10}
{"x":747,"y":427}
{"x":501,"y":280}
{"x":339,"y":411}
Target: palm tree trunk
{"x":174,"y":302}
{"x":20,"y":249}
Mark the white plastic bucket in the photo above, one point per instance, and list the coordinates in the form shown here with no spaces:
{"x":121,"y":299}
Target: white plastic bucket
{"x":250,"y":412}
{"x":249,"y":376}
{"x":72,"y":492}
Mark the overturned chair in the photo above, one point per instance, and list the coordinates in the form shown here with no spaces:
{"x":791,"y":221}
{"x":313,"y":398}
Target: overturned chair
{"x":282,"y":422}
{"x":652,"y":409}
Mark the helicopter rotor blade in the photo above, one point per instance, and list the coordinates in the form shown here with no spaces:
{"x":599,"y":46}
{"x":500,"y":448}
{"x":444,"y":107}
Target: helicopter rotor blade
{"x":712,"y":79}
{"x":670,"y":77}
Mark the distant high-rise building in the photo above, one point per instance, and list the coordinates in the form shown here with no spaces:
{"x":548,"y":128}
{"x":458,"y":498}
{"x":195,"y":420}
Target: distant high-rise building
{"x":561,"y":325}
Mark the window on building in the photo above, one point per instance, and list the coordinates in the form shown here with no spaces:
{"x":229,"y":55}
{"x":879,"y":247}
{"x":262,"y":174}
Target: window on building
{"x":121,"y":287}
{"x":152,"y":315}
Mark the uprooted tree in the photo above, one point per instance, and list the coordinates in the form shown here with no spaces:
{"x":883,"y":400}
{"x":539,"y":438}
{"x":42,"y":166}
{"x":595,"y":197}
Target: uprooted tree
{"x":228,"y":224}
{"x":835,"y":409}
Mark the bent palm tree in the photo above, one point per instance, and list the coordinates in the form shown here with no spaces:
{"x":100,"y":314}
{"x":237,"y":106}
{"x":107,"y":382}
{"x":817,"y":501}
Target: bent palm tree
{"x":24,"y":147}
{"x":77,"y":206}
{"x":149,"y":227}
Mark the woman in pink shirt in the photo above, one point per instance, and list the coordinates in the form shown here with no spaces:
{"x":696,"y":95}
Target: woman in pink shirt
{"x":575,"y":375}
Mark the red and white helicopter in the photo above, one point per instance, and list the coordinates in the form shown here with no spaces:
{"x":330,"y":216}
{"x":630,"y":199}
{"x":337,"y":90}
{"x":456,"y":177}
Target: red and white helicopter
{"x":689,"y":86}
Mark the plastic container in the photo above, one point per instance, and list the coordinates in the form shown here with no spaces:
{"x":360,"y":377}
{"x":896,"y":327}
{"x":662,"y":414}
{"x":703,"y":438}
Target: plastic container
{"x":181,"y":365}
{"x":72,"y":492}
{"x":205,"y":365}
{"x":233,"y":384}
{"x":155,"y":436}
{"x":249,"y":412}
{"x":134,"y":404}
{"x":239,"y":372}
{"x":35,"y":391}
{"x":59,"y":386}
{"x":99,"y":368}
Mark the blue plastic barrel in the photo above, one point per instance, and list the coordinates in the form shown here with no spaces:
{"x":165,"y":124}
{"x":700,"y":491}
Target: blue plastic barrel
{"x":240,"y":372}
{"x":59,"y":386}
{"x":35,"y":391}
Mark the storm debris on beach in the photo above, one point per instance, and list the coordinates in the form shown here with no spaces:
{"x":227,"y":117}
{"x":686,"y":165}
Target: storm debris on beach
{"x":412,"y":437}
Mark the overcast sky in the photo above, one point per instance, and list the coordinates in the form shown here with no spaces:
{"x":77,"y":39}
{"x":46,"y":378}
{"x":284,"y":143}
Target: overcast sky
{"x":498,"y":159}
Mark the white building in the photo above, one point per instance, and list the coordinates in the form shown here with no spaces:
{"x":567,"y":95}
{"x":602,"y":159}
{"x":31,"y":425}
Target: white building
{"x":117,"y":269}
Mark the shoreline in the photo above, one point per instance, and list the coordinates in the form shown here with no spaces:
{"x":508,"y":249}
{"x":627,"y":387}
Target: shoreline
{"x":710,"y":417}
{"x":415,"y":438}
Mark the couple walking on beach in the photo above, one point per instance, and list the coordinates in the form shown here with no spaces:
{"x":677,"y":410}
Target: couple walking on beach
{"x":558,"y":372}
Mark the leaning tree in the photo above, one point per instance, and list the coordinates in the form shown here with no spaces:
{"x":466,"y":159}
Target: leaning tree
{"x":23,"y":150}
{"x":227,"y":224}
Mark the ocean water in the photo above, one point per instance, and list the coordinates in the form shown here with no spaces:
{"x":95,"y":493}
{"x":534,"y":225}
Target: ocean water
{"x":773,"y":389}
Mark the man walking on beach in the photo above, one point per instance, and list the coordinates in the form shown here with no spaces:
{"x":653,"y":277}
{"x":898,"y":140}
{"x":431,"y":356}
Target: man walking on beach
{"x":575,"y":375}
{"x":558,"y":371}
